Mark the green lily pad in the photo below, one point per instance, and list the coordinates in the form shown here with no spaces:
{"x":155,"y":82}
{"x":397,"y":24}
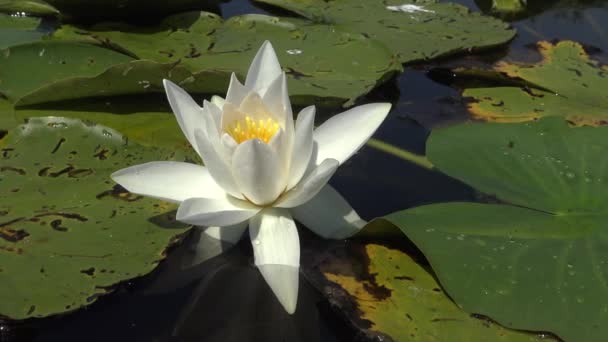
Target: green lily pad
{"x":414,"y":30}
{"x":18,"y":30}
{"x":384,"y":292}
{"x":145,"y":120}
{"x":67,"y":232}
{"x":29,"y":7}
{"x":312,"y":55}
{"x":538,"y":262}
{"x":567,"y":82}
{"x":25,"y":68}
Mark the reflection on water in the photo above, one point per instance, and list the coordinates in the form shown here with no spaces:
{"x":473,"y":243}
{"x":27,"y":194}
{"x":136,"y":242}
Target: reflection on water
{"x":231,"y":302}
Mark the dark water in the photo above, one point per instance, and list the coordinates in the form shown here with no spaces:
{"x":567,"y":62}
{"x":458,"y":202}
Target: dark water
{"x":232,"y":302}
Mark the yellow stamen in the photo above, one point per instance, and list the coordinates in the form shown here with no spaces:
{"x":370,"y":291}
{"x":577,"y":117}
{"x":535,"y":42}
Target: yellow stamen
{"x":248,"y":128}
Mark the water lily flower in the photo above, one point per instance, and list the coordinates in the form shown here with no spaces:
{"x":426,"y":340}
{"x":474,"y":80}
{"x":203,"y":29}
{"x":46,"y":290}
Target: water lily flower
{"x":261,"y":170}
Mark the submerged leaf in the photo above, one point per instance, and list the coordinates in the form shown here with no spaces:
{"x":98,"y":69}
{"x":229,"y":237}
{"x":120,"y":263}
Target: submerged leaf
{"x":67,"y":232}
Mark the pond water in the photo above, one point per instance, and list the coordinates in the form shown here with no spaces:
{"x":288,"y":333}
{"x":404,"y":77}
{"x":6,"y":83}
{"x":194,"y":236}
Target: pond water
{"x":232,"y":302}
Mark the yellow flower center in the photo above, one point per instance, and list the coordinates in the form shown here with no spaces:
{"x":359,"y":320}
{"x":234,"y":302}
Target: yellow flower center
{"x":248,"y":128}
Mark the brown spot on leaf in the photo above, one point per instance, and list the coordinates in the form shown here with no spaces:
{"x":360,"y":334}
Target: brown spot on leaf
{"x":12,"y":169}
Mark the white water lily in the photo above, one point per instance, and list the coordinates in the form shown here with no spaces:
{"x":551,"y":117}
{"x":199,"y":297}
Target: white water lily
{"x":261,"y":170}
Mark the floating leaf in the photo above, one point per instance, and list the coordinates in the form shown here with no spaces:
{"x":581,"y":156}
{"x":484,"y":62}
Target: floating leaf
{"x":29,"y":7}
{"x":414,"y":30}
{"x":312,"y":55}
{"x":25,"y":68}
{"x":540,"y":262}
{"x":145,"y":120}
{"x":67,"y":232}
{"x":384,"y":292}
{"x":18,"y":30}
{"x":567,"y":82}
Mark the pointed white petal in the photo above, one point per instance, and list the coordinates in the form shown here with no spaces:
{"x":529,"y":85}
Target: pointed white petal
{"x":257,"y":171}
{"x":187,"y":112}
{"x":284,"y":282}
{"x":210,"y":242}
{"x":229,"y":144}
{"x":342,"y":135}
{"x":310,"y":186}
{"x":236,"y":91}
{"x":168,"y":180}
{"x":329,"y":215}
{"x":218,"y":101}
{"x":215,"y":211}
{"x":215,"y":112}
{"x":216,"y":164}
{"x":302,"y":147}
{"x":277,"y":101}
{"x":276,"y":247}
{"x":264,"y":69}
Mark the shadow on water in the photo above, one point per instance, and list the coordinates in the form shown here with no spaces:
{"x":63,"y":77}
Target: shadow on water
{"x":230,"y":301}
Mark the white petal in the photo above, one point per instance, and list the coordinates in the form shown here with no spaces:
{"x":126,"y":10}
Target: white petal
{"x":329,"y":215}
{"x":230,"y":115}
{"x":302,"y":148}
{"x":310,"y":186}
{"x":264,"y":69}
{"x":342,"y":135}
{"x":211,"y":242}
{"x":215,"y":211}
{"x":277,"y":101}
{"x":236,"y":91}
{"x":216,"y":164}
{"x":187,"y":112}
{"x":284,"y":282}
{"x":218,"y":101}
{"x":210,"y":109}
{"x":276,"y":247}
{"x":257,"y":171}
{"x":229,"y":143}
{"x":254,"y":107}
{"x":231,"y":234}
{"x":168,"y":180}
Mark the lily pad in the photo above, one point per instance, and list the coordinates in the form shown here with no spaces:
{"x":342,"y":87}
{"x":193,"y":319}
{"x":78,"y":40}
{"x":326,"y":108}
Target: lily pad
{"x":18,"y":30}
{"x":386,"y":293}
{"x":28,"y":7}
{"x":146,"y":120}
{"x":567,"y":82}
{"x":539,"y":261}
{"x":50,"y":61}
{"x":312,"y":55}
{"x":67,"y":233}
{"x":415,"y":30}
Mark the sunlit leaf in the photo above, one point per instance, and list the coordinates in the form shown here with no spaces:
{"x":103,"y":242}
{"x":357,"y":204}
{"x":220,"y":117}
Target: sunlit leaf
{"x":539,"y":261}
{"x":67,"y":232}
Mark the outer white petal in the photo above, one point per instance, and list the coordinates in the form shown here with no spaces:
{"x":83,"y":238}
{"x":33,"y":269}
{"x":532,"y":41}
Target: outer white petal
{"x":216,"y":164}
{"x":310,"y":186}
{"x":264,"y":69}
{"x":329,"y":215}
{"x":236,"y":91}
{"x":215,"y":211}
{"x":211,"y":242}
{"x":342,"y":135}
{"x":218,"y":101}
{"x":187,"y":112}
{"x":257,"y":171}
{"x":210,"y":109}
{"x":168,"y":180}
{"x":276,"y":99}
{"x":276,"y":247}
{"x":302,"y":147}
